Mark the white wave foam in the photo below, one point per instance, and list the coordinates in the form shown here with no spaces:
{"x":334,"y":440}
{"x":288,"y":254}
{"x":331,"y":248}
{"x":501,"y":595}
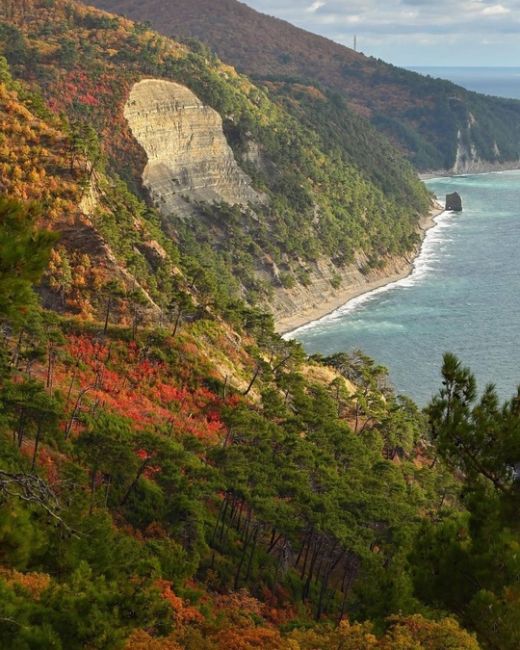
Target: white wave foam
{"x":421,"y":266}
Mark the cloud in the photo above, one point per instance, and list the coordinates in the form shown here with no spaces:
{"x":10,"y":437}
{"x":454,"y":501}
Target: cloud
{"x":494,"y":10}
{"x":315,"y":6}
{"x":380,"y":24}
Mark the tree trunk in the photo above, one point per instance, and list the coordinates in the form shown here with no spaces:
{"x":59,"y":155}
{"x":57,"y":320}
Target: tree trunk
{"x":241,"y":562}
{"x":252,"y":554}
{"x":36,"y":445}
{"x":252,"y":382}
{"x":221,"y":514}
{"x":302,"y":575}
{"x":107,"y":316}
{"x":72,"y":381}
{"x":177,"y":323}
{"x":307,"y":586}
{"x":132,"y":485}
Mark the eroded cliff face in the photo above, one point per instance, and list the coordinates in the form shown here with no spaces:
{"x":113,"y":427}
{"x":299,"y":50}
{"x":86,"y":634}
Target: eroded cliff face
{"x":467,"y":158}
{"x":189,"y":158}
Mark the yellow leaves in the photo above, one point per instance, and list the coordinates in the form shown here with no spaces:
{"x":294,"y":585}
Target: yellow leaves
{"x":34,"y":176}
{"x":17,"y":172}
{"x":45,"y":49}
{"x":141,"y":640}
{"x":405,"y":633}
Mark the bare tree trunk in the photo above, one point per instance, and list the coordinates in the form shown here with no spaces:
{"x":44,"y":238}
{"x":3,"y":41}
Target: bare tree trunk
{"x":325,"y":582}
{"x":252,"y":382}
{"x":304,"y":567}
{"x":73,"y":379}
{"x":50,"y":367}
{"x":75,"y":411}
{"x":107,"y":315}
{"x":132,"y":485}
{"x":241,"y":562}
{"x":36,"y":445}
{"x":315,"y":555}
{"x":221,"y":514}
{"x":17,"y":349}
{"x":252,"y":554}
{"x":177,"y":323}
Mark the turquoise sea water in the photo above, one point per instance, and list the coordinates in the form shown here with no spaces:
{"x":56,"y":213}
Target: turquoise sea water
{"x":463,"y":296}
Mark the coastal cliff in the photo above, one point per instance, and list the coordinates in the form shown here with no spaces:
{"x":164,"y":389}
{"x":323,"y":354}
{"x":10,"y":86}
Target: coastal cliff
{"x":189,"y":162}
{"x":189,"y":158}
{"x":300,"y":305}
{"x":422,"y":115}
{"x":468,"y":160}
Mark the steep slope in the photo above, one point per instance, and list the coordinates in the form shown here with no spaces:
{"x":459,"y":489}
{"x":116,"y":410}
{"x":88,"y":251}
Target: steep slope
{"x":187,"y":150}
{"x":147,"y":503}
{"x":326,"y":206}
{"x":42,"y":161}
{"x":438,"y":124}
{"x":195,"y":482}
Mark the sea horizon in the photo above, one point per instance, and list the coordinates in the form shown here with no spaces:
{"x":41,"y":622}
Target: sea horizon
{"x":499,"y":81}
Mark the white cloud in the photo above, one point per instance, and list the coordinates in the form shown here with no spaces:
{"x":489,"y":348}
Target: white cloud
{"x":391,"y":27}
{"x":495,"y":10}
{"x":315,"y":6}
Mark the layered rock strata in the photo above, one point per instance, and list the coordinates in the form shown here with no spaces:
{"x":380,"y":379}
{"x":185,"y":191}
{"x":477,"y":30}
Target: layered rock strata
{"x":189,"y":158}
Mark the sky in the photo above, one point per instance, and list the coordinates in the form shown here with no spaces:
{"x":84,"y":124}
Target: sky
{"x":413,"y":32}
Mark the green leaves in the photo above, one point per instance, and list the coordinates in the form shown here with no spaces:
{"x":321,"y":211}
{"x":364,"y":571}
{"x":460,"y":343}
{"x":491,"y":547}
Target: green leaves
{"x":24,"y":254}
{"x":477,"y":437}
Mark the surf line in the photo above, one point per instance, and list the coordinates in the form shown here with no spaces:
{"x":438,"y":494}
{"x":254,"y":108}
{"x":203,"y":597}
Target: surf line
{"x":419,"y":269}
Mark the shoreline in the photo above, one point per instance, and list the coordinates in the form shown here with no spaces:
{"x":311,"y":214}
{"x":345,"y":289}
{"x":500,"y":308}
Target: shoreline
{"x":445,"y":173}
{"x":289,"y":325}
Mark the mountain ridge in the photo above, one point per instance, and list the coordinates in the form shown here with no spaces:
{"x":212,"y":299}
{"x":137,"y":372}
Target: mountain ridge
{"x":430,"y":120}
{"x":343,"y":201}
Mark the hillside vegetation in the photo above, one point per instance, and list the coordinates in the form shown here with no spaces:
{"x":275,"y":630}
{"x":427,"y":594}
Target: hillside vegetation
{"x":325,"y":201}
{"x":437,"y":124}
{"x":199,"y":487}
{"x":173,"y":474}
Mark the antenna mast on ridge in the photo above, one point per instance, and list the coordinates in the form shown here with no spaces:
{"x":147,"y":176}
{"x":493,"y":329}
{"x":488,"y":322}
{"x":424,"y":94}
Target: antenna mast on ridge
{"x":355,"y":43}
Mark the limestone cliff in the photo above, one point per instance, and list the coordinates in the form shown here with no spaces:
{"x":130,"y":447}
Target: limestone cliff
{"x":189,"y":158}
{"x":467,"y":157}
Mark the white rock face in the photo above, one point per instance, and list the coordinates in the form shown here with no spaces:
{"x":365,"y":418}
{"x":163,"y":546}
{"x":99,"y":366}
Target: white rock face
{"x":188,"y":154}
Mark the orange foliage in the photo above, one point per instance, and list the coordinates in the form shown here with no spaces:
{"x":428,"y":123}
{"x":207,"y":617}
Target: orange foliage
{"x":249,"y":638}
{"x":34,"y":583}
{"x":34,"y":160}
{"x":141,"y":640}
{"x":145,"y":391}
{"x":184,"y":614}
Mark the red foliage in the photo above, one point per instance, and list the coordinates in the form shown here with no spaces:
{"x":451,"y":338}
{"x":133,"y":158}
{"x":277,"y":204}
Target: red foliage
{"x":145,"y":391}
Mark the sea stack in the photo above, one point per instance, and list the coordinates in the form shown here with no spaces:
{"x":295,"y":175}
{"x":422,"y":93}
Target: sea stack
{"x":453,"y":202}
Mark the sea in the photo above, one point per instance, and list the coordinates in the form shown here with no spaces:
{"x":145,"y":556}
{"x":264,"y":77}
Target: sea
{"x":463,"y":295}
{"x":501,"y":82}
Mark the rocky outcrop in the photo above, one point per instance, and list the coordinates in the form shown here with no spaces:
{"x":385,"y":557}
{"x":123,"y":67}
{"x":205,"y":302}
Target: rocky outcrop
{"x":468,"y":160}
{"x":189,"y":158}
{"x":453,"y":202}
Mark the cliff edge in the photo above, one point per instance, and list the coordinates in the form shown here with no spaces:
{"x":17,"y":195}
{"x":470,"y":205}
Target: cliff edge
{"x":188,"y":155}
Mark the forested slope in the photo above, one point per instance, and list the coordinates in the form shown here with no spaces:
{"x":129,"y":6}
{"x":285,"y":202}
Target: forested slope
{"x":438,"y":124}
{"x":197,"y":486}
{"x":323,"y":201}
{"x":173,"y":474}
